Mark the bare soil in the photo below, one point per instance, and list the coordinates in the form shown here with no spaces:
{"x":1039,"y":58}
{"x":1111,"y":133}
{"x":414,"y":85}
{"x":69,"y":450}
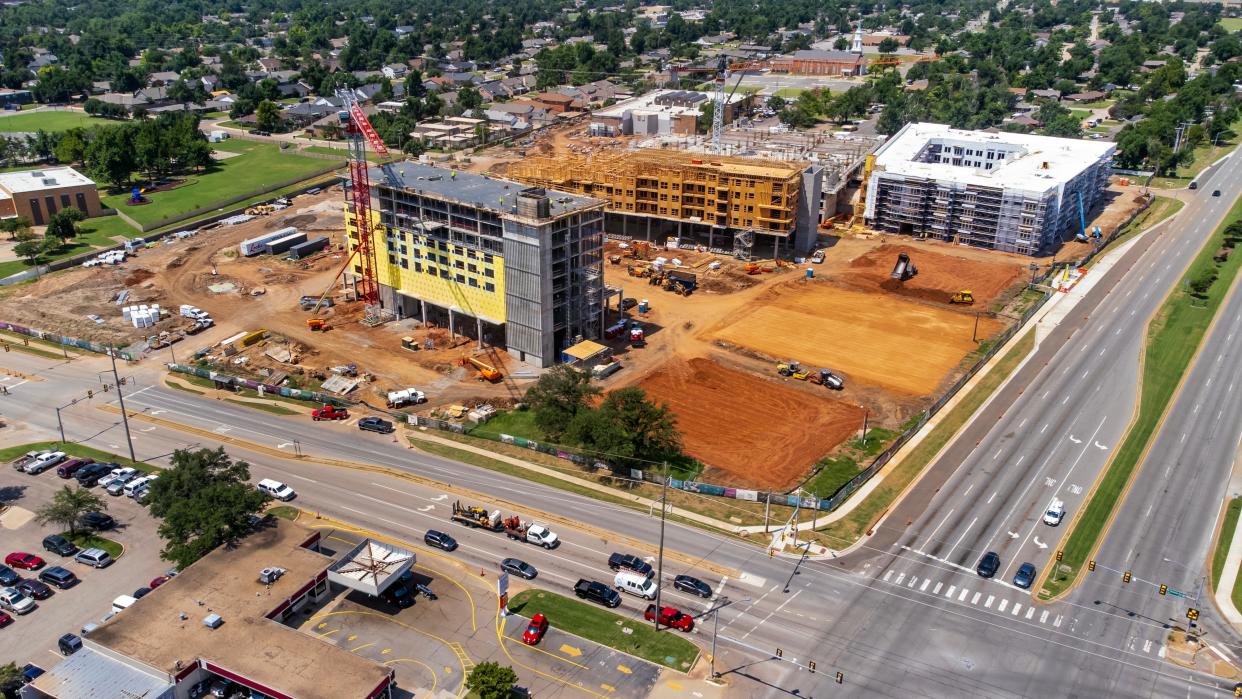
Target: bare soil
{"x":940,"y":275}
{"x":770,"y":442}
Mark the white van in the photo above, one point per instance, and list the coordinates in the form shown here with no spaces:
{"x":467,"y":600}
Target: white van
{"x":635,"y":584}
{"x":122,"y":603}
{"x":276,"y":489}
{"x":136,"y":485}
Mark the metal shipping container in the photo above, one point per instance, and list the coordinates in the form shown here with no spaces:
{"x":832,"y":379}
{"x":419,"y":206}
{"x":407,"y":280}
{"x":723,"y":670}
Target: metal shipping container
{"x":308,"y":248}
{"x":282,"y":244}
{"x":254,"y":246}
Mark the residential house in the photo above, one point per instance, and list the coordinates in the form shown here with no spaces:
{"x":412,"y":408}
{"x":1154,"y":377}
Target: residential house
{"x":459,"y":66}
{"x":461,"y":79}
{"x":157,"y":96}
{"x":493,"y":90}
{"x":130,"y":101}
{"x":1027,"y":121}
{"x":164,"y":77}
{"x":297,"y":89}
{"x":437,"y":83}
{"x":1046,"y":94}
{"x":100,"y":86}
{"x":1085,"y":97}
{"x":210,"y":81}
{"x":394,"y":71}
{"x":556,"y":102}
{"x":403,"y":30}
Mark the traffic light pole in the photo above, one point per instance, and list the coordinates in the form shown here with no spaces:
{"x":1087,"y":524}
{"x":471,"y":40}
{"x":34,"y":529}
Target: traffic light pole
{"x":121,"y":400}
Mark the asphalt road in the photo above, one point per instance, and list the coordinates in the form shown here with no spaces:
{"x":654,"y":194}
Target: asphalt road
{"x":894,"y":621}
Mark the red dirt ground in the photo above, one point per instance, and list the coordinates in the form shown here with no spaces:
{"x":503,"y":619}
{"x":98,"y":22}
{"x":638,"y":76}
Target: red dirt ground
{"x":751,"y":432}
{"x":941,"y":274}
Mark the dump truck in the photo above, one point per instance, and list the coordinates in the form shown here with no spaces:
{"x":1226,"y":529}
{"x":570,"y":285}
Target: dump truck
{"x":318,"y":324}
{"x":530,"y":533}
{"x":963,"y":297}
{"x":406,"y":396}
{"x":639,"y":271}
{"x":904,"y":269}
{"x":680,"y":282}
{"x":477,"y":517}
{"x":828,"y":379}
{"x":487,"y":372}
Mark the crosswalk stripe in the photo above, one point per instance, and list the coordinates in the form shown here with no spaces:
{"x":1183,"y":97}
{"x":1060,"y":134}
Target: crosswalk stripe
{"x":963,"y":595}
{"x":887,"y":575}
{"x":1016,"y":608}
{"x":1057,"y":622}
{"x":1030,"y":612}
{"x":936,"y":589}
{"x":924,"y":585}
{"x":1043,"y":618}
{"x":988,"y":603}
{"x":912,"y":581}
{"x":1001,"y":607}
{"x":975,"y":599}
{"x":900,"y":577}
{"x":952,"y":589}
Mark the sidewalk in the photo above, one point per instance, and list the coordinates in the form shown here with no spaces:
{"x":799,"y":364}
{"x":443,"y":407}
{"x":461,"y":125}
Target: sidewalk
{"x":1229,"y":577}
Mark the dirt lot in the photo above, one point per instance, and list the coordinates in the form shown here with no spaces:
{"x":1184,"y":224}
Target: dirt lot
{"x":941,"y":274}
{"x":902,"y":346}
{"x":781,"y":432}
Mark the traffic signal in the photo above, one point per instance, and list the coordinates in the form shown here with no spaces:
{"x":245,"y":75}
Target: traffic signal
{"x":6,"y":347}
{"x":1125,"y":577}
{"x":1192,"y":614}
{"x":1237,"y":690}
{"x":810,"y":665}
{"x":1164,"y":589}
{"x":1059,"y":555}
{"x":106,"y":387}
{"x":780,"y":653}
{"x":840,"y":677}
{"x":1091,"y":566}
{"x":122,"y":381}
{"x":90,"y":393}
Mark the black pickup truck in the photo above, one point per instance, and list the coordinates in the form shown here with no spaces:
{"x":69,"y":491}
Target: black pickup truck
{"x":597,"y":592}
{"x":617,"y":561}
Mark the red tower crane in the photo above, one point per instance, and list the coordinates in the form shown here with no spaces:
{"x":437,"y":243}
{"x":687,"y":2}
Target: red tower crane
{"x":359,"y":131}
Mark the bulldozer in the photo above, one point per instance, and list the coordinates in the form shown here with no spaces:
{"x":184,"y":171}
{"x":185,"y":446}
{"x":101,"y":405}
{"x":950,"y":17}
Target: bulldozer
{"x":639,"y":271}
{"x":963,"y":297}
{"x":318,"y":324}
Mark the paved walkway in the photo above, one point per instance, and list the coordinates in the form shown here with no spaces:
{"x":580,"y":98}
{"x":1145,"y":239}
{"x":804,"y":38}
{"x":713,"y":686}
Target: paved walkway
{"x":1229,"y":576}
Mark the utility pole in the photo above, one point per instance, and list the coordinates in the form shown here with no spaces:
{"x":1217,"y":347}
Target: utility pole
{"x":660,"y":555}
{"x":767,"y":504}
{"x":715,"y":612}
{"x":60,"y":425}
{"x":121,"y":400}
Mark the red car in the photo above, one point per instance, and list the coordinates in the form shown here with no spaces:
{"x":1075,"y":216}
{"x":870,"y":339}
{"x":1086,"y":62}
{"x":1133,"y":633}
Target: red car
{"x":159,"y":581}
{"x":535,"y":630}
{"x":5,"y":620}
{"x":329,"y":412}
{"x":671,"y":617}
{"x":25,"y":561}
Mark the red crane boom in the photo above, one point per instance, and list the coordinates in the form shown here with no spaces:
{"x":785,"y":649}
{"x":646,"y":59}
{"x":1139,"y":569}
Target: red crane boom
{"x":360,"y":133}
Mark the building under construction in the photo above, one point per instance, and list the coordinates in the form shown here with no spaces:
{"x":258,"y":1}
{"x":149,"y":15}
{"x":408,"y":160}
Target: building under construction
{"x":735,"y":206}
{"x":1003,"y":191}
{"x":507,"y":264}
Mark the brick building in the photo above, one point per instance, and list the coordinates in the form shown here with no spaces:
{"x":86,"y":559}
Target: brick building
{"x":37,"y":194}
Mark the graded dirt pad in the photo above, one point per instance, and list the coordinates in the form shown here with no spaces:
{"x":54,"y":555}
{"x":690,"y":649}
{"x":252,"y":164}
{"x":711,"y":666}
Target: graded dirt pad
{"x":753,"y":433}
{"x":905,"y":347}
{"x":941,"y":274}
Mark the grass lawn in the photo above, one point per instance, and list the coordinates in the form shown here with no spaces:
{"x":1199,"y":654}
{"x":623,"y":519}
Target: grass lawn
{"x":95,"y":233}
{"x":11,"y":453}
{"x":1081,"y":114}
{"x":284,"y":512}
{"x":90,"y":540}
{"x":1231,"y":24}
{"x":518,"y":423}
{"x":835,"y":471}
{"x":1205,"y":154}
{"x":789,"y":92}
{"x":1101,"y":104}
{"x":247,"y":393}
{"x":848,"y":529}
{"x":595,"y":623}
{"x":1223,"y":540}
{"x":49,"y":121}
{"x":1172,"y":340}
{"x":259,"y":167}
{"x":265,"y":407}
{"x":30,"y":345}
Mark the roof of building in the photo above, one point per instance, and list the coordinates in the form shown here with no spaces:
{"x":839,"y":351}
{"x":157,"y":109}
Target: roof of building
{"x":88,"y":674}
{"x":372,"y":565}
{"x":478,"y":191}
{"x":1036,"y":163}
{"x":585,"y":350}
{"x":691,"y":100}
{"x":817,"y":55}
{"x":165,"y":629}
{"x":41,"y":179}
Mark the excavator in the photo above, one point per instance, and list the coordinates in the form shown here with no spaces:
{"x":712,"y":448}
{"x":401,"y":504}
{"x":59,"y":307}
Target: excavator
{"x":487,"y":372}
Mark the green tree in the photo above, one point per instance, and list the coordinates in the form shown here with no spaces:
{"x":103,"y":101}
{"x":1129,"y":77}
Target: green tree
{"x":491,"y":680}
{"x":34,"y":249}
{"x":888,"y":45}
{"x":204,"y":500}
{"x":63,"y":224}
{"x":267,"y":116}
{"x":776,"y":103}
{"x":10,"y":679}
{"x":469,"y":98}
{"x":628,"y":429}
{"x":14,"y":226}
{"x":110,"y":157}
{"x":72,"y":146}
{"x":67,"y":506}
{"x":560,"y":394}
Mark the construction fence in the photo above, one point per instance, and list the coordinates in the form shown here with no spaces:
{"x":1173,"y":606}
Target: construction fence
{"x":67,"y":342}
{"x":225,"y":381}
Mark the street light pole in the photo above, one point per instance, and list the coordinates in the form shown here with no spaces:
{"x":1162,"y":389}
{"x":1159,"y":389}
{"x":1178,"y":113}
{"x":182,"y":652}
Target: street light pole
{"x":121,"y":399}
{"x":660,"y":555}
{"x":61,"y":426}
{"x":715,"y":612}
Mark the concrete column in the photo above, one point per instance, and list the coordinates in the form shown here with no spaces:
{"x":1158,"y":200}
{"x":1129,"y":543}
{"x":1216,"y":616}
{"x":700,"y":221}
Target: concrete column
{"x":452,"y":326}
{"x":478,"y":323}
{"x":648,"y":238}
{"x":422,"y":305}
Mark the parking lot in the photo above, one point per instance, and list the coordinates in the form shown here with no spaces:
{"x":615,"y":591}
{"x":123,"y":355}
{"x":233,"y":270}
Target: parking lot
{"x":32,"y":636}
{"x":432,"y":644}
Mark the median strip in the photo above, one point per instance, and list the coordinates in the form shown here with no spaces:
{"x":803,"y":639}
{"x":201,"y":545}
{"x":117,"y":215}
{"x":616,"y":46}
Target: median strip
{"x":1174,"y":337}
{"x":598,"y":625}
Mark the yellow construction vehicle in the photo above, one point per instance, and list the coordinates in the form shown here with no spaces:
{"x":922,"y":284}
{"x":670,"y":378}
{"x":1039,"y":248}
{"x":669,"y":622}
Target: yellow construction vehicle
{"x":317,"y":324}
{"x":638,"y":270}
{"x":789,"y":368}
{"x":802,"y":374}
{"x":260,"y":210}
{"x":487,"y":372}
{"x":964,"y":297}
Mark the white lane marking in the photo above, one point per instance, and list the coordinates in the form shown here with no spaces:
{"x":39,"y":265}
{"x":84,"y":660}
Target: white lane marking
{"x":887,"y":574}
{"x":963,"y":595}
{"x":1085,"y":372}
{"x":1147,"y":646}
{"x":988,"y":602}
{"x":1044,"y":429}
{"x":1045,"y":394}
{"x":1197,"y":406}
{"x":998,"y":453}
{"x":950,"y":591}
{"x":304,"y":478}
{"x":932,"y":538}
{"x":1056,"y":623}
{"x":900,"y":577}
{"x":1016,"y":608}
{"x":948,"y":555}
{"x":1043,"y":618}
{"x":936,"y":589}
{"x":912,"y":581}
{"x":1102,"y":350}
{"x":1066,"y":400}
{"x":1001,"y":607}
{"x":1118,"y":331}
{"x":1023,"y":423}
{"x":975,"y":599}
{"x":926,"y":582}
{"x":990,"y":497}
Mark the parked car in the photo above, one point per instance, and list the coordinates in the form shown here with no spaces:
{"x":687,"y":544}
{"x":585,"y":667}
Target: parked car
{"x":159,"y":581}
{"x":67,"y":468}
{"x":597,"y":592}
{"x":141,"y":592}
{"x":629,"y":561}
{"x":59,"y":545}
{"x":20,"y":462}
{"x":96,"y":558}
{"x":34,"y":588}
{"x":691,"y":584}
{"x":276,"y":489}
{"x":90,"y":474}
{"x":375,"y":424}
{"x":44,"y":462}
{"x":23,"y":560}
{"x":988,"y":565}
{"x":114,"y":483}
{"x":58,"y":577}
{"x":439,"y":540}
{"x":5,"y":620}
{"x":1025,"y":576}
{"x":31,"y":672}
{"x":535,"y":630}
{"x":15,"y":601}
{"x":8,"y":576}
{"x":520,"y":568}
{"x":671,"y":617}
{"x":399,"y":596}
{"x":69,"y":644}
{"x":98,"y":521}
{"x":329,"y":412}
{"x":132,"y":487}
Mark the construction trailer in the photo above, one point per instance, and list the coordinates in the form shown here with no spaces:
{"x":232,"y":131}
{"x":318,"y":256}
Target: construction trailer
{"x":254,"y":246}
{"x":730,"y":205}
{"x":307,"y":249}
{"x":1003,"y":191}
{"x":280,"y":245}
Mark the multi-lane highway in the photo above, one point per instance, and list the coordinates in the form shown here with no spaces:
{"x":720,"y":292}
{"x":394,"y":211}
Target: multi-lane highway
{"x":903,"y":615}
